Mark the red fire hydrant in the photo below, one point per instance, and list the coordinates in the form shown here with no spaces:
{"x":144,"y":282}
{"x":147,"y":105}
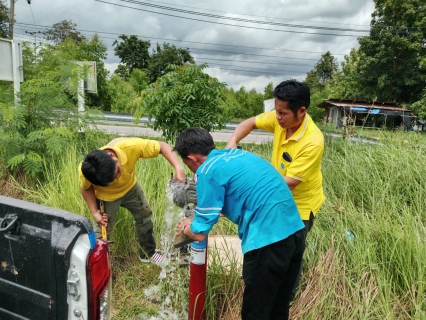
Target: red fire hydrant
{"x":197,"y":280}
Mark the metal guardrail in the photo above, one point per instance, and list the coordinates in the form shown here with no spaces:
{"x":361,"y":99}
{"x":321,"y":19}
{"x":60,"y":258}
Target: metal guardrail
{"x":127,"y":119}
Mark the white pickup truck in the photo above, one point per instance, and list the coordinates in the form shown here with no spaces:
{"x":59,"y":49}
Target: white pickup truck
{"x":51,"y":265}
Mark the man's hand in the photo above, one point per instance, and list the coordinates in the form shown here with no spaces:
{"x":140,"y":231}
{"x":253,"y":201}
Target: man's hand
{"x":181,"y":225}
{"x":101,"y":220}
{"x":241,"y":131}
{"x":180,"y":175}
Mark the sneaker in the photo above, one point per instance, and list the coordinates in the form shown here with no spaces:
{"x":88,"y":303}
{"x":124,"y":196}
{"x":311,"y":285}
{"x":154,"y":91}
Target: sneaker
{"x":156,"y":259}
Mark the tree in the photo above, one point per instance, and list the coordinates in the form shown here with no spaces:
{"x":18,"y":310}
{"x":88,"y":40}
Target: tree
{"x":322,"y":73}
{"x":95,"y":50}
{"x":184,"y":97}
{"x":138,"y":80}
{"x":166,"y":55}
{"x":33,"y":130}
{"x":230,"y":105}
{"x":346,"y":82}
{"x":63,"y":30}
{"x":392,"y":57}
{"x":269,"y":91}
{"x":419,"y":107}
{"x":133,"y":53}
{"x":251,"y":102}
{"x":4,"y":20}
{"x":122,"y":94}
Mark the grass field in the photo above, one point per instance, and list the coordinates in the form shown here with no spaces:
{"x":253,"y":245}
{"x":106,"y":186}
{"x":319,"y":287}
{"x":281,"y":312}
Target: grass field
{"x":376,"y":193}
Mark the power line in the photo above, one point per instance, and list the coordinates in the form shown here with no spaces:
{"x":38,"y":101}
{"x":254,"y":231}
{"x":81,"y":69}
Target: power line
{"x":194,"y":42}
{"x":32,"y":15}
{"x":206,"y":60}
{"x":240,"y":70}
{"x":252,"y":68}
{"x":238,"y":19}
{"x":251,"y":61}
{"x":251,"y":15}
{"x":228,"y":24}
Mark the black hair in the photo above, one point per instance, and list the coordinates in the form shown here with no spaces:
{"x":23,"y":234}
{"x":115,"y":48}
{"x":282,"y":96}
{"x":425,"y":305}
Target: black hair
{"x":296,"y":93}
{"x":99,"y":168}
{"x":194,"y":140}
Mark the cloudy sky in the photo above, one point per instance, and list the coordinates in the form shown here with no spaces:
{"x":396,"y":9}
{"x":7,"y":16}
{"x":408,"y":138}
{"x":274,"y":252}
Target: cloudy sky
{"x":245,"y":43}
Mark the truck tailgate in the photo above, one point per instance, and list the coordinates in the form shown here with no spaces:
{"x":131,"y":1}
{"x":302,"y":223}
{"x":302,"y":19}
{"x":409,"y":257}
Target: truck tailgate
{"x":35,"y":246}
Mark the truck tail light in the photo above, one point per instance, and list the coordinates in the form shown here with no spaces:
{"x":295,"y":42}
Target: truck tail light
{"x":99,"y":282}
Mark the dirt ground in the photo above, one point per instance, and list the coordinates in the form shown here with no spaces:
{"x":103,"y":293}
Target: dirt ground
{"x":8,"y":188}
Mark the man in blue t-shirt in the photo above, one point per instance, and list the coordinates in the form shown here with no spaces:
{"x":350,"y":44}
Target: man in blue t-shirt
{"x":250,"y":192}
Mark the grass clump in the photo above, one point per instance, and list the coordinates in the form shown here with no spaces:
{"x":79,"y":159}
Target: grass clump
{"x":376,"y":192}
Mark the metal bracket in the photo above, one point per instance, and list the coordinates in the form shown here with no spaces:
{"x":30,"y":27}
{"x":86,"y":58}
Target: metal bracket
{"x":72,"y":286}
{"x":11,"y":223}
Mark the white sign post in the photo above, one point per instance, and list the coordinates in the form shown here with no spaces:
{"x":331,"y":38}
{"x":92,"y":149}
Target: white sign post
{"x":11,"y":64}
{"x":268,"y":105}
{"x":90,"y":85}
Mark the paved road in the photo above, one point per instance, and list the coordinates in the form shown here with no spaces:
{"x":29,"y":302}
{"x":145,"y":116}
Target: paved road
{"x":254,"y":137}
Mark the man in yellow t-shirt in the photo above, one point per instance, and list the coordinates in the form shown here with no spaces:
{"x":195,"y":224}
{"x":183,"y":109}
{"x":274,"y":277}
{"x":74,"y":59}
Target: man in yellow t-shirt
{"x":297,"y":148}
{"x":108,"y":175}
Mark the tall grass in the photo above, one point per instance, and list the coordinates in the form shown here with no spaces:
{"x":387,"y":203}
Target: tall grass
{"x":375,"y":192}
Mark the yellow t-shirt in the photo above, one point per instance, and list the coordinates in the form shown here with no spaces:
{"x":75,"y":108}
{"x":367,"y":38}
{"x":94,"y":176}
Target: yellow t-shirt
{"x":128,"y":151}
{"x":305,"y":148}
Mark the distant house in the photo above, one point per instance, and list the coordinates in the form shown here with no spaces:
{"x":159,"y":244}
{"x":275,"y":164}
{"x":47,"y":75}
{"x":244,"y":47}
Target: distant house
{"x":366,"y":113}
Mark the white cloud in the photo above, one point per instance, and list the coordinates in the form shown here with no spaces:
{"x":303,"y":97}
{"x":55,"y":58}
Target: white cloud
{"x":258,"y":46}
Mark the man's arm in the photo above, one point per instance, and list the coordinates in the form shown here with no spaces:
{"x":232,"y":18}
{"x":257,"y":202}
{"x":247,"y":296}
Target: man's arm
{"x":171,"y":157}
{"x":184,"y":227}
{"x":291,"y":183}
{"x":90,"y":198}
{"x":241,"y":131}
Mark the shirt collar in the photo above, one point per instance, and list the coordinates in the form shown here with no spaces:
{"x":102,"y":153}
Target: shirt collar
{"x":302,"y":129}
{"x":121,"y":156}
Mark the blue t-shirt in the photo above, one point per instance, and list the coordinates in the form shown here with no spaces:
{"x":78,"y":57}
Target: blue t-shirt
{"x":250,"y":192}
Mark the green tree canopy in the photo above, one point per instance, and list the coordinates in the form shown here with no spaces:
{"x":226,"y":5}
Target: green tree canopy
{"x":392,"y":58}
{"x":251,"y":103}
{"x":268,"y":93}
{"x":165,"y":55}
{"x":419,"y":107}
{"x":63,"y":30}
{"x":122,"y":94}
{"x":322,"y":72}
{"x":138,"y":80}
{"x":4,"y":19}
{"x":92,"y":50}
{"x":34,"y":130}
{"x":133,"y":53}
{"x":184,"y":97}
{"x":346,"y":83}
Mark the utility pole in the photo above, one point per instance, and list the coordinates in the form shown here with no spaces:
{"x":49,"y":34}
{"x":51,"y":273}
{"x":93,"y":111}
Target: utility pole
{"x":11,"y":18}
{"x":34,"y":33}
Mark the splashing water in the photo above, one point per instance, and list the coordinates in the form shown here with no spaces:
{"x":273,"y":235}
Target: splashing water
{"x":172,"y":290}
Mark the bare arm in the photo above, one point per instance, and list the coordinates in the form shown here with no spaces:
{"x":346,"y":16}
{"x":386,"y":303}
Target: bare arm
{"x":241,"y":131}
{"x":171,"y":157}
{"x":90,"y":198}
{"x":291,"y":183}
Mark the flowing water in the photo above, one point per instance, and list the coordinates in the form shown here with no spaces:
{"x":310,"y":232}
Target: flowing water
{"x":171,"y":293}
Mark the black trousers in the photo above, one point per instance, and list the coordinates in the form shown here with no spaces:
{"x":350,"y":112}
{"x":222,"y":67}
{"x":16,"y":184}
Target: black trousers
{"x":269,"y":275}
{"x":308,"y":225}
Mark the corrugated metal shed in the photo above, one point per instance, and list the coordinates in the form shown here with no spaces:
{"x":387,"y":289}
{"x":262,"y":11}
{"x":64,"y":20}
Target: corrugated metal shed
{"x":363,"y":104}
{"x":375,"y":113}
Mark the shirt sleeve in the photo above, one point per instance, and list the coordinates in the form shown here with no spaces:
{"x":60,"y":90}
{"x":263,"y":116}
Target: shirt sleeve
{"x":210,"y":199}
{"x":266,"y":121}
{"x":84,"y":183}
{"x":306,"y":162}
{"x":148,"y":148}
